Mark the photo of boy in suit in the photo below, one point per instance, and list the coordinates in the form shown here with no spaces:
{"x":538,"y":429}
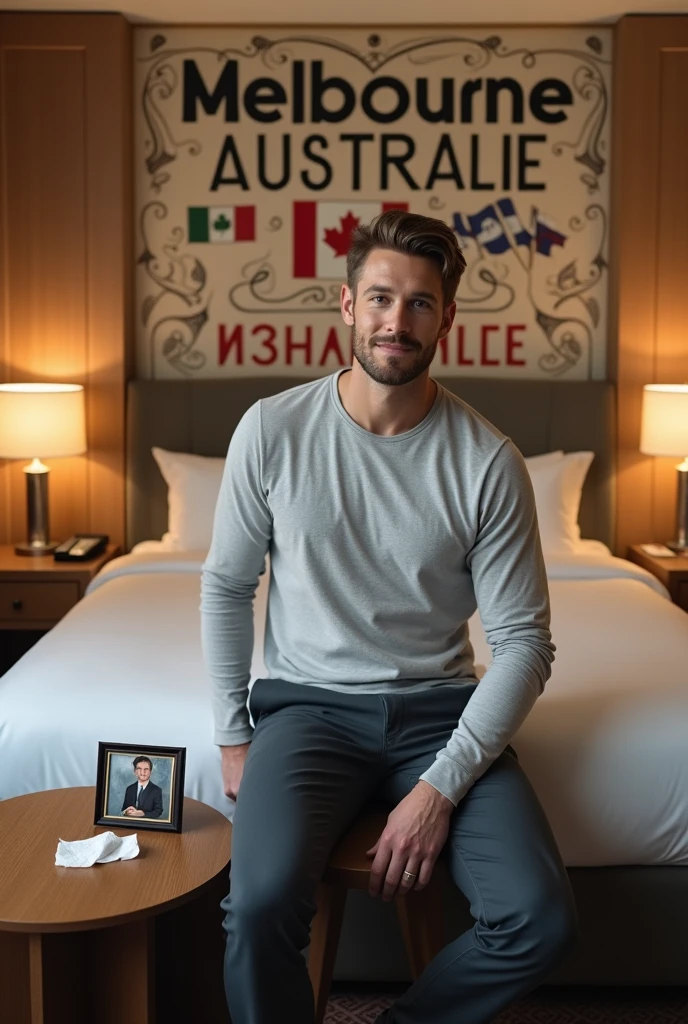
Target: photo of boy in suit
{"x":142,"y":799}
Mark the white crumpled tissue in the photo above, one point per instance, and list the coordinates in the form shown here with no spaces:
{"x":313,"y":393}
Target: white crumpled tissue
{"x":100,"y":849}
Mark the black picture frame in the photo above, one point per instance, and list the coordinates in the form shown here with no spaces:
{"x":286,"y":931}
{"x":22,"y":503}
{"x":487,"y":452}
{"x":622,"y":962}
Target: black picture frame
{"x":171,"y":799}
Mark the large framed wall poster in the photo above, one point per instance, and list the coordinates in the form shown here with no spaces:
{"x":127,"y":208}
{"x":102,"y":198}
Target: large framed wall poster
{"x":258,"y":150}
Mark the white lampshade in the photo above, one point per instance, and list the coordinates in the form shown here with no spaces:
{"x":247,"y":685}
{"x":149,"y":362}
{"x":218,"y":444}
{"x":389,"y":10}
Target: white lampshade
{"x":664,"y":429}
{"x":41,"y":420}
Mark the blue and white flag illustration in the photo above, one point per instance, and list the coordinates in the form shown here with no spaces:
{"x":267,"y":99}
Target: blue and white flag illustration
{"x":487,"y":231}
{"x":461,"y":227}
{"x":512,"y":221}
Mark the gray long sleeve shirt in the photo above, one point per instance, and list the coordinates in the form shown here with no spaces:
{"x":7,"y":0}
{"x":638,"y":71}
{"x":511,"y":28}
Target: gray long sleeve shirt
{"x":380,"y":547}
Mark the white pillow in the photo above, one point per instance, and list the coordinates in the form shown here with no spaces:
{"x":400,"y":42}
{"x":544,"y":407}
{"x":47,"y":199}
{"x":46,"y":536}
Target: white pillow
{"x":533,"y":461}
{"x":193,"y":483}
{"x":558,"y":485}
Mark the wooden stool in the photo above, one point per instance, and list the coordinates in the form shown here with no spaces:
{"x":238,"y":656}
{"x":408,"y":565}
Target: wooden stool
{"x":420,"y":913}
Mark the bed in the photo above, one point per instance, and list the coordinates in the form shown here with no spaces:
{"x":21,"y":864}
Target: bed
{"x":606,"y":746}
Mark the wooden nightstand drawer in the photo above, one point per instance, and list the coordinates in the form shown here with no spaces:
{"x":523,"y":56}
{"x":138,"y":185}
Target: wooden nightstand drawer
{"x":35,"y":592}
{"x":36,"y":602}
{"x":673,"y":572}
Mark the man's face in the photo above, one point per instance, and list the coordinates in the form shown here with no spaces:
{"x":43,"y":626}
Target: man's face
{"x":397,"y":315}
{"x":142,"y":772}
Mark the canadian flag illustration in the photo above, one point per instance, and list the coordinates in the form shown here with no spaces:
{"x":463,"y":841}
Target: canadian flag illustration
{"x":322,"y":232}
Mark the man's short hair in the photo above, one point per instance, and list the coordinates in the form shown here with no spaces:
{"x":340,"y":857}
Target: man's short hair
{"x":414,"y":235}
{"x":138,"y":760}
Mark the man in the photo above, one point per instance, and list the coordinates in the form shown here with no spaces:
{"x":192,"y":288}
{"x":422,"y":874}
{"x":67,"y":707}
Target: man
{"x":389,"y":507}
{"x":143,"y":799}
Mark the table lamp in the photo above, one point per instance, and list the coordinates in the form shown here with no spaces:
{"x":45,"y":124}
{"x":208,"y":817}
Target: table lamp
{"x":40,"y":421}
{"x":664,"y":431}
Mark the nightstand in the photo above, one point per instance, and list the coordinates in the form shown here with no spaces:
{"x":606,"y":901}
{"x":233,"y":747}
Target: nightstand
{"x":35,"y":592}
{"x":673,"y":572}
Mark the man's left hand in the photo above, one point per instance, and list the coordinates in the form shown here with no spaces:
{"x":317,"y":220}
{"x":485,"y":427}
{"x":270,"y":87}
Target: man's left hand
{"x":413,"y":837}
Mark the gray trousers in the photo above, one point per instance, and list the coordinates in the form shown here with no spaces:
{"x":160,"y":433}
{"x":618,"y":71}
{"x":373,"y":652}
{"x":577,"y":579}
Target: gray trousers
{"x":315,"y":759}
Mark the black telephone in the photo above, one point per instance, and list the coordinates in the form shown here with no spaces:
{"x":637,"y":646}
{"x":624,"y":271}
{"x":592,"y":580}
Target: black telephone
{"x":81,"y":547}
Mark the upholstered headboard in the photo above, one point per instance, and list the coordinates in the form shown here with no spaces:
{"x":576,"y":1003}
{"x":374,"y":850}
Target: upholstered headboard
{"x":199,"y":416}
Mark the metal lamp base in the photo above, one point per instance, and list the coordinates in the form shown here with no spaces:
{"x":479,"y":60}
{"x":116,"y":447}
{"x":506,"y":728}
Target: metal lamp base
{"x":36,"y":549}
{"x":37,"y":512}
{"x":680,"y":545}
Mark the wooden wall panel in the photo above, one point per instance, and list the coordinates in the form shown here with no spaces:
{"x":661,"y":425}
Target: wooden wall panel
{"x":45,"y":225}
{"x":65,"y":244}
{"x":649,"y":254}
{"x":671,"y":332}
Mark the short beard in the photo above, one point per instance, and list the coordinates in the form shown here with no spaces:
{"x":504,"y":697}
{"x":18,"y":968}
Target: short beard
{"x":392,"y":372}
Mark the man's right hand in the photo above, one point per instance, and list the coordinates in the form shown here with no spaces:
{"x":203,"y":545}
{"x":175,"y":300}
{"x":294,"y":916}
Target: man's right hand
{"x":233,"y":759}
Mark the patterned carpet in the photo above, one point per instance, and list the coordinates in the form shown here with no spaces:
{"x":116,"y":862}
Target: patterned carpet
{"x":349,"y":1005}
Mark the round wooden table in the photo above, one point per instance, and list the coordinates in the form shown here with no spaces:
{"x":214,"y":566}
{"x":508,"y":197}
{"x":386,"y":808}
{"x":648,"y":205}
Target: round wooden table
{"x":77,"y":943}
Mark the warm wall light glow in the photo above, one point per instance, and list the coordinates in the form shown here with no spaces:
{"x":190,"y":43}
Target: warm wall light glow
{"x":664,"y":429}
{"x":44,"y":420}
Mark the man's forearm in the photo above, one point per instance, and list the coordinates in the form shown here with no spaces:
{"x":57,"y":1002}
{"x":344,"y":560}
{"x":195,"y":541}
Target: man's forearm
{"x":498,"y":707}
{"x":227,"y":641}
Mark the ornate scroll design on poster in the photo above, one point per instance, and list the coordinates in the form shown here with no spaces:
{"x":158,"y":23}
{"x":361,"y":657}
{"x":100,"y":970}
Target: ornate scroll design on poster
{"x":175,"y":337}
{"x":180,"y":279}
{"x":488,"y":290}
{"x":568,"y":339}
{"x":164,"y":148}
{"x":254,"y":293}
{"x":571,"y":337}
{"x":568,"y":286}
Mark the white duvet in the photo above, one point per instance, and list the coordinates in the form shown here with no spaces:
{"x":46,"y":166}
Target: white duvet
{"x":606,"y":746}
